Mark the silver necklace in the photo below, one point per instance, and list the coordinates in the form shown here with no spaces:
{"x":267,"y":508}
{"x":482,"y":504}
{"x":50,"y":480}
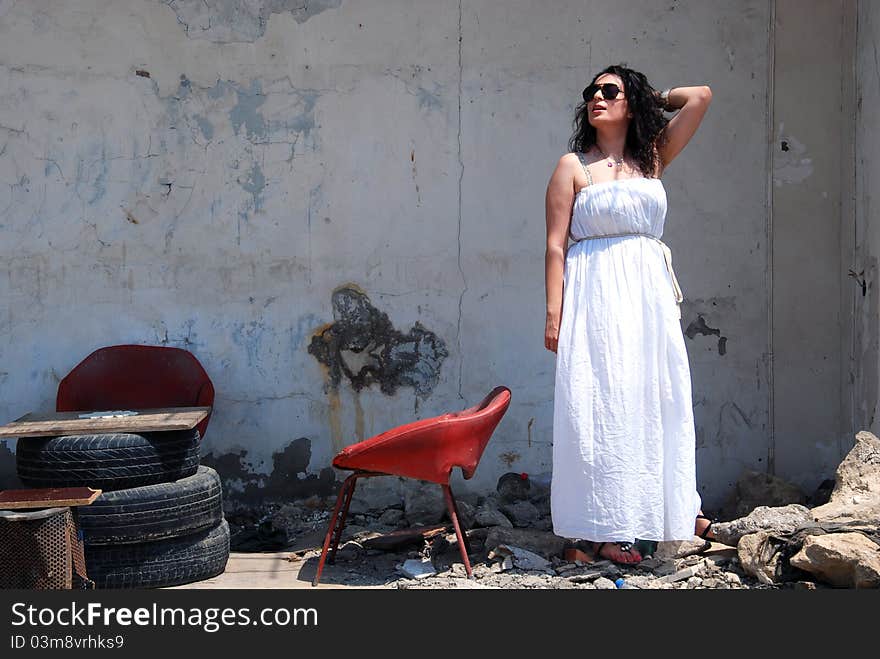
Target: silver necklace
{"x":619,"y":162}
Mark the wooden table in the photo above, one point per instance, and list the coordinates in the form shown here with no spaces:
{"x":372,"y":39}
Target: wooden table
{"x":70,"y":423}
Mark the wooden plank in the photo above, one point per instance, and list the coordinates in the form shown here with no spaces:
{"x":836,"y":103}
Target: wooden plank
{"x":401,"y":537}
{"x":70,"y":423}
{"x":49,"y":497}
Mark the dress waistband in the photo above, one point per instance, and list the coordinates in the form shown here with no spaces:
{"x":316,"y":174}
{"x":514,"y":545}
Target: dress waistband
{"x":667,"y":256}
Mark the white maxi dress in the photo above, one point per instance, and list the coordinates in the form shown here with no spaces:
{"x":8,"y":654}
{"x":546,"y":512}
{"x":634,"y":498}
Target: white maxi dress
{"x":623,"y":429}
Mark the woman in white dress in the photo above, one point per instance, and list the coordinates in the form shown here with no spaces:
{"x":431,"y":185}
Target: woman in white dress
{"x":623,"y":430}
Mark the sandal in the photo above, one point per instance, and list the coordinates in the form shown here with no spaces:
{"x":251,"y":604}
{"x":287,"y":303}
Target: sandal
{"x":625,"y":547}
{"x":706,"y":530}
{"x":646,"y":548}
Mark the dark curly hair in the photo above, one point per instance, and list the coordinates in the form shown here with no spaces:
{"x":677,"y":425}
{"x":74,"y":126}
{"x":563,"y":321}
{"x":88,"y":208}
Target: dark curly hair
{"x":644,"y":127}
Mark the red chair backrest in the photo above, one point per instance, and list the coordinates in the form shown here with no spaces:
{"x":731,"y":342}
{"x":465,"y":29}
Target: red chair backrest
{"x":139,"y":377}
{"x":430,"y":448}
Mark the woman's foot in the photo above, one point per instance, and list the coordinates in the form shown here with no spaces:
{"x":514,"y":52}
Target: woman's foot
{"x":618,"y":552}
{"x":703,"y":527}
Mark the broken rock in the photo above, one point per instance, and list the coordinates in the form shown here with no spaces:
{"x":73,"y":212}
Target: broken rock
{"x":846,"y":560}
{"x":423,"y":502}
{"x":391,"y":517}
{"x":782,"y":520}
{"x":670,"y":549}
{"x":491,"y":517}
{"x":759,"y":556}
{"x":465,"y":514}
{"x":686,"y":573}
{"x":376,"y":494}
{"x":542,"y":543}
{"x":855,"y":499}
{"x":521,"y":513}
{"x":603,"y":583}
{"x":521,"y":558}
{"x":416,"y":569}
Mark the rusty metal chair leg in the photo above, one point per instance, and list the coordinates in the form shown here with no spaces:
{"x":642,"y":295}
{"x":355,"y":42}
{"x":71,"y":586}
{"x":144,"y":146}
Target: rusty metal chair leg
{"x":343,"y":492}
{"x":462,"y":542}
{"x":335,"y":545}
{"x":467,"y":543}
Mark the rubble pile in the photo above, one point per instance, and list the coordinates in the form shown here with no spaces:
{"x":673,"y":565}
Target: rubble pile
{"x":404,"y":541}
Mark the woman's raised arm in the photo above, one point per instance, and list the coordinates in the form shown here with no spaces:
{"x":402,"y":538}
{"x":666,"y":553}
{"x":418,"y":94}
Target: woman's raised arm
{"x":693,"y":103}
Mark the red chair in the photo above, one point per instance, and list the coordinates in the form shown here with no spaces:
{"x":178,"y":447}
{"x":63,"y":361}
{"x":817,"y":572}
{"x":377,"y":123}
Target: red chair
{"x":140,"y":377}
{"x":427,"y":450}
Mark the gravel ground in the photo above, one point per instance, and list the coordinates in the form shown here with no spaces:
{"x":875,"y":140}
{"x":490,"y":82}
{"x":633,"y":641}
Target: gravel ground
{"x":297,"y":527}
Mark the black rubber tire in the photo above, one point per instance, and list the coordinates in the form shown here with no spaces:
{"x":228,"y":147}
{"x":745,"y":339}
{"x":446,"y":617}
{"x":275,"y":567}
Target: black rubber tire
{"x":169,"y":562}
{"x":109,"y":461}
{"x":154,"y":512}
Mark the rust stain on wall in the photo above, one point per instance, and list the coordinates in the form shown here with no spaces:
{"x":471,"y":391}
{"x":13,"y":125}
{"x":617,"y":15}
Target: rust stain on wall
{"x":334,"y":416}
{"x":358,"y":418}
{"x":509,"y":458}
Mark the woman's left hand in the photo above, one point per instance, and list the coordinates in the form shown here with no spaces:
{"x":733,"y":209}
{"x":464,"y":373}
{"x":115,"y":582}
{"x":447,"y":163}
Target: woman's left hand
{"x":551,"y":333}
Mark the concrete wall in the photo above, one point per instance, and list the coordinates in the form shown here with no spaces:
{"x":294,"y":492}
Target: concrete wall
{"x":811,"y":226}
{"x":866,"y":331}
{"x":207,"y":174}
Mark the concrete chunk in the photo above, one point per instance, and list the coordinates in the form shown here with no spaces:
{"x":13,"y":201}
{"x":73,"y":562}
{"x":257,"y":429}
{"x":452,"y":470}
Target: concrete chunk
{"x":681,"y":575}
{"x":416,"y":569}
{"x":781,"y":520}
{"x":846,"y":560}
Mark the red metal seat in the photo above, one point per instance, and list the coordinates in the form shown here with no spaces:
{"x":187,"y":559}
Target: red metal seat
{"x":427,"y":450}
{"x":137,"y":377}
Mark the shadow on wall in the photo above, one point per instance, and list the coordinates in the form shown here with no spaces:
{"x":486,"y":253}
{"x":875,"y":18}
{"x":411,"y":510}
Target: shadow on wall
{"x":288,"y":479}
{"x":8,"y":476}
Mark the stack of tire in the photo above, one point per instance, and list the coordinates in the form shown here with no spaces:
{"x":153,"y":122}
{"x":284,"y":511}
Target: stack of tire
{"x":159,"y":521}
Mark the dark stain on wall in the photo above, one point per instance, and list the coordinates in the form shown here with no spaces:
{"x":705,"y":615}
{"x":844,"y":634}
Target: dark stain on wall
{"x":8,"y":476}
{"x":286,"y":481}
{"x":699,"y":326}
{"x":362,"y":345}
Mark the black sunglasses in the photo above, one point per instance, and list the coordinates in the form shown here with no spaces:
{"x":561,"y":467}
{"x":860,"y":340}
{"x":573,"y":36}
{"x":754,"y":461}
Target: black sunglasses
{"x":609,"y":91}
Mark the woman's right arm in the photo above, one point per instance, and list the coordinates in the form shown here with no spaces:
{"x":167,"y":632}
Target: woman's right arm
{"x":558,"y":205}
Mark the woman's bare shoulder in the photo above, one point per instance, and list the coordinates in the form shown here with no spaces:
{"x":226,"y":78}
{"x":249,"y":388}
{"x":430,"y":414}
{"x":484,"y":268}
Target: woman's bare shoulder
{"x":569,"y":162}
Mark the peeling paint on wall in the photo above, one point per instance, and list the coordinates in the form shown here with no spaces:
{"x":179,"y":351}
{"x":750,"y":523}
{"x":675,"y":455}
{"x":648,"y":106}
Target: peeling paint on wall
{"x":206,"y":116}
{"x":229,"y":21}
{"x":362,"y":345}
{"x":791,"y":164}
{"x":287,"y":480}
{"x":254,"y":183}
{"x":250,"y":336}
{"x":246,"y":111}
{"x":699,"y":326}
{"x":205,"y":126}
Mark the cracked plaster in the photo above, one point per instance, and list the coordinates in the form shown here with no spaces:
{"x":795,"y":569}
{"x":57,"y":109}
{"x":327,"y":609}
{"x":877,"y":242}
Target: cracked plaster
{"x":226,"y":21}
